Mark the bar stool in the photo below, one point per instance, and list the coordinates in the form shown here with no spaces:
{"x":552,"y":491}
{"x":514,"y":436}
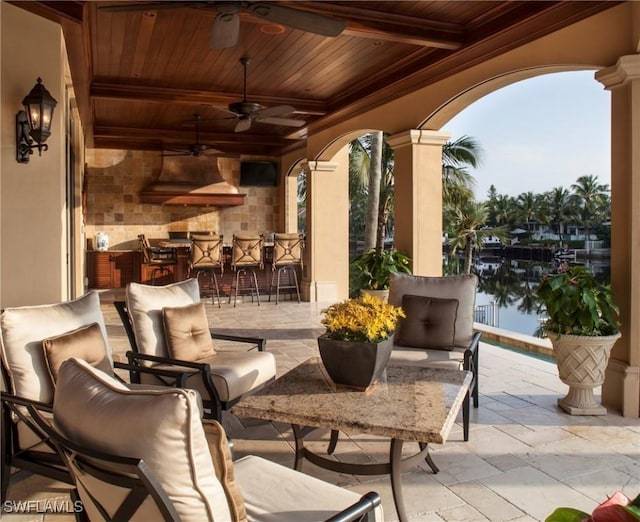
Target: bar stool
{"x":206,"y":258}
{"x":287,"y":257}
{"x":246,"y":256}
{"x":160,"y":260}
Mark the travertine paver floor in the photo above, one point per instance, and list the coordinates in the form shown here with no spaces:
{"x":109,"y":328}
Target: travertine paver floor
{"x":525,"y":456}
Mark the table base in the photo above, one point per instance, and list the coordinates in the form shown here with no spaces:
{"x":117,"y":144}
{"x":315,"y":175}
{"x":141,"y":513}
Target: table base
{"x":395,"y":467}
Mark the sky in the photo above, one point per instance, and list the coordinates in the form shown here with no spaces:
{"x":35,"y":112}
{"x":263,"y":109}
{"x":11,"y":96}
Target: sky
{"x":538,"y":134}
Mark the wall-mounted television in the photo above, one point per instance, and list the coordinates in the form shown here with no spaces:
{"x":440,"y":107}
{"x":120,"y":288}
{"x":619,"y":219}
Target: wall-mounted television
{"x":258,"y":173}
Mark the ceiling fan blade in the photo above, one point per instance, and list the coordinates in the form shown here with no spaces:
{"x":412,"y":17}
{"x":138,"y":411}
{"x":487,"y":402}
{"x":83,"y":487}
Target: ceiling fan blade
{"x":149,"y":6}
{"x":175,"y":153}
{"x":287,"y":122}
{"x":226,"y":27}
{"x":276,"y":111}
{"x":243,"y":125}
{"x":297,"y":19}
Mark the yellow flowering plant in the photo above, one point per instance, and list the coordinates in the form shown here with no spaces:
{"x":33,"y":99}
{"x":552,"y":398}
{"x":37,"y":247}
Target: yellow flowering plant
{"x":364,"y":319}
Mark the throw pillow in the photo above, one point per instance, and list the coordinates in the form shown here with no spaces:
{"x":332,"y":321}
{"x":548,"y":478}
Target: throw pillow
{"x":85,"y":343}
{"x":223,"y":464}
{"x":463,"y":288}
{"x":186,"y":330}
{"x":429,"y":322}
{"x":145,"y":304}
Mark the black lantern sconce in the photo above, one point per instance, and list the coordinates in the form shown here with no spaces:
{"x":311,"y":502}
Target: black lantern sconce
{"x":34,"y":123}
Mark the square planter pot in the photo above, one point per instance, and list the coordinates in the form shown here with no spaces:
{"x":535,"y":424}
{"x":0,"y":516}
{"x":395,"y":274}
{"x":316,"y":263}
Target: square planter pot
{"x":357,"y":365}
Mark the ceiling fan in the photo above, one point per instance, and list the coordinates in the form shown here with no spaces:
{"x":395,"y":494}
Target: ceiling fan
{"x":247,"y":112}
{"x":196,"y":149}
{"x":226,"y":26}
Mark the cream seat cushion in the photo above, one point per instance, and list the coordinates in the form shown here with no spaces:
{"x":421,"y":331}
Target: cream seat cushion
{"x":233,"y":373}
{"x":145,"y":304}
{"x":274,"y":493}
{"x":24,"y":329}
{"x":163,"y":427}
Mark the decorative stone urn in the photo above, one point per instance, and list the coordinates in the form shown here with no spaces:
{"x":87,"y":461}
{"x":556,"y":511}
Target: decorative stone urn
{"x":582,"y":361}
{"x":356,"y":365}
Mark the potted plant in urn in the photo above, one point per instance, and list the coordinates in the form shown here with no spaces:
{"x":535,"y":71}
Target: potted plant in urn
{"x":582,"y":325}
{"x":370,"y":271}
{"x":357,"y":345}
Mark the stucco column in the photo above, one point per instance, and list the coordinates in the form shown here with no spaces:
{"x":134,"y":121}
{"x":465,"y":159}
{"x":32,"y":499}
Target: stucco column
{"x":621,"y":389}
{"x":418,"y":198}
{"x":326,"y":274}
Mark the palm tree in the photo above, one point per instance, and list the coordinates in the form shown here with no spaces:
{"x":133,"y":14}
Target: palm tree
{"x":592,"y":198}
{"x":467,"y":232}
{"x":363,"y":173}
{"x":560,"y":208}
{"x":456,"y":157}
{"x":373,"y":191}
{"x":527,"y":208}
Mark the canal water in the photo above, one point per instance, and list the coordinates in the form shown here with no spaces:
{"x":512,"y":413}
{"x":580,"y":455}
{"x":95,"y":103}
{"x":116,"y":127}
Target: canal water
{"x":506,"y":294}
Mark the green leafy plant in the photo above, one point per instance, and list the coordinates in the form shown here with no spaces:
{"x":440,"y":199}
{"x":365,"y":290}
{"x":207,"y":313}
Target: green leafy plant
{"x":364,"y":319}
{"x":576,"y":303}
{"x":372,"y":269}
{"x":618,"y":508}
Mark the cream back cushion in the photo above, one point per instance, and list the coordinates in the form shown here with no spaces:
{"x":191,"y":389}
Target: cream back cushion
{"x":163,"y":427}
{"x":463,"y":288}
{"x":145,"y":304}
{"x":24,"y":329}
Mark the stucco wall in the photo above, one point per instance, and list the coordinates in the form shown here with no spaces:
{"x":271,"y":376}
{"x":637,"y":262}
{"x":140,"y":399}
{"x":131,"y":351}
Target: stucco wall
{"x":33,"y":248}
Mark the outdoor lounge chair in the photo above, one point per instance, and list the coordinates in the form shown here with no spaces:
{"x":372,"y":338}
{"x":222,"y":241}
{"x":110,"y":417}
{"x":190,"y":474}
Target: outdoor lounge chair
{"x":175,"y":467}
{"x":29,"y":370}
{"x":438,"y":330}
{"x":167,"y":328}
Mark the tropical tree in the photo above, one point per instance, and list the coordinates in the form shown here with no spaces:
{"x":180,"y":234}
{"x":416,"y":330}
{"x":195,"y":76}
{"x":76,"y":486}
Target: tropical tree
{"x":363,"y":165}
{"x":527,"y":208}
{"x":560,"y":208}
{"x":591,"y":198}
{"x":457,"y":155}
{"x":468,"y":230}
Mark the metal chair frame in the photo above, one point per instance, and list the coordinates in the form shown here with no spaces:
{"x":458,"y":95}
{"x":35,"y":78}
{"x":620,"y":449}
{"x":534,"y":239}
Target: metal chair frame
{"x":160,"y":259}
{"x":49,"y":464}
{"x":246,"y":254}
{"x":132,"y":474}
{"x":206,"y":257}
{"x":85,"y":464}
{"x":212,"y":407}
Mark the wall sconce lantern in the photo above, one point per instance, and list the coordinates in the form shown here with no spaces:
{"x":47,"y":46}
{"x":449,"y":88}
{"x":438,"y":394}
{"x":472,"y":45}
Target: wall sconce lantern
{"x":34,"y":123}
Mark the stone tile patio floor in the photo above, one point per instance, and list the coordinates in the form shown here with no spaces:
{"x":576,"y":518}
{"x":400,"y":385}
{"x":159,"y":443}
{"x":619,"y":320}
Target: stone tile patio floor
{"x":524,"y":458}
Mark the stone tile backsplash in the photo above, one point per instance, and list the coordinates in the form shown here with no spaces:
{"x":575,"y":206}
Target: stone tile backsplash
{"x":114,"y":178}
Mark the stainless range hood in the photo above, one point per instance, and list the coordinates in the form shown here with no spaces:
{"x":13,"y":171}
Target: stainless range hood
{"x":190,"y":180}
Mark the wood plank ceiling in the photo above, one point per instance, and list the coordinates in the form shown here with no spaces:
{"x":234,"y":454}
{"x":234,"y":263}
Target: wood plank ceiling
{"x":140,"y":75}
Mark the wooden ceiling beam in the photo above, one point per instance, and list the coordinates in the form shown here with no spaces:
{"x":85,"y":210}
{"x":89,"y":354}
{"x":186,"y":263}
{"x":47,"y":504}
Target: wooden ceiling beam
{"x":365,"y":22}
{"x":184,"y":136}
{"x":142,"y":93}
